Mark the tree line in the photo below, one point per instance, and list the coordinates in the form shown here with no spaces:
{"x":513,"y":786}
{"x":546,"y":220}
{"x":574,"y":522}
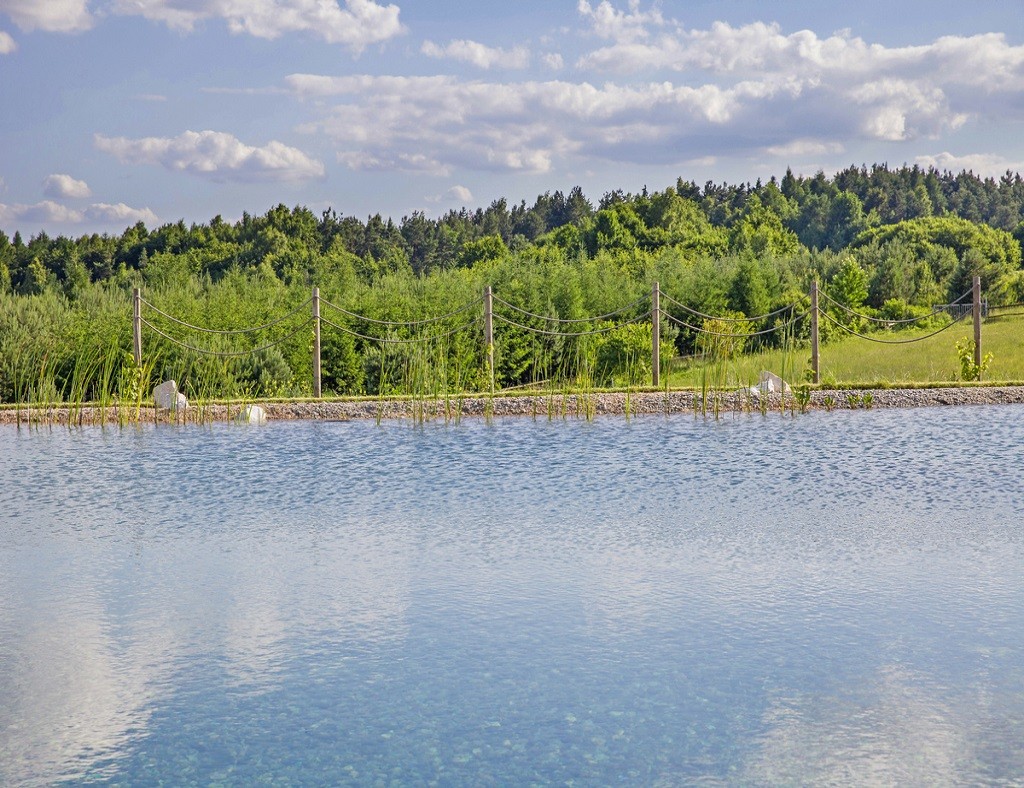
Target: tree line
{"x":887,"y":242}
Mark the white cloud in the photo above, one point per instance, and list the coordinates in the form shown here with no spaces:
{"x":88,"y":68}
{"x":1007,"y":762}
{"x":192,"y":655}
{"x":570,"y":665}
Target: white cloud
{"x":898,"y":93}
{"x":455,"y":195}
{"x":759,"y":49}
{"x":46,"y":211}
{"x":552,"y":60}
{"x":988,"y":165}
{"x":7,"y":44}
{"x":897,"y":109}
{"x":732,"y":92}
{"x":479,"y":55}
{"x":620,"y":26}
{"x":528,"y":126}
{"x":215,"y":155}
{"x":460,"y":194}
{"x":49,"y":212}
{"x":61,"y":185}
{"x":120,"y":213}
{"x":51,"y":16}
{"x":803,"y":147}
{"x":358,"y":25}
{"x":155,"y":97}
{"x":404,"y":162}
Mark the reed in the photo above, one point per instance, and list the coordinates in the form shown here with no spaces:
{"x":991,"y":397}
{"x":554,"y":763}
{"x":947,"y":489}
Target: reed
{"x":82,"y":382}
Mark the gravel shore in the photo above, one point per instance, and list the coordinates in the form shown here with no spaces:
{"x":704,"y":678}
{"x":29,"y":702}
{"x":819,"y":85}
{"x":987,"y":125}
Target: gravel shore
{"x":560,"y":406}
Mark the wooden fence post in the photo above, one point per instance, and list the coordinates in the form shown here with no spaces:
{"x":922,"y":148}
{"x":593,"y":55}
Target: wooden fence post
{"x":977,"y":323}
{"x":655,"y":335}
{"x":316,"y":342}
{"x":815,"y":378}
{"x":489,"y":332}
{"x":137,"y":326}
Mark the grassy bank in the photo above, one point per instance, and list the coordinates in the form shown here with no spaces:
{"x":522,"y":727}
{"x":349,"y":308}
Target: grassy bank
{"x":859,"y":362}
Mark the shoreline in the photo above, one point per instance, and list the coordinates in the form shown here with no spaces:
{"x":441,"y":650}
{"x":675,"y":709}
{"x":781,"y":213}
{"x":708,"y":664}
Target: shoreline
{"x":582,"y":405}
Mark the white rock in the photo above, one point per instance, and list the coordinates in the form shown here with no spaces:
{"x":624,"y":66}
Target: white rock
{"x":252,"y":414}
{"x":167,"y":397}
{"x":770,"y":383}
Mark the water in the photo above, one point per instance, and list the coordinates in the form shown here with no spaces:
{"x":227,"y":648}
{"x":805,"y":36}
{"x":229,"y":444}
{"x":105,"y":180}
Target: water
{"x":836,"y":598}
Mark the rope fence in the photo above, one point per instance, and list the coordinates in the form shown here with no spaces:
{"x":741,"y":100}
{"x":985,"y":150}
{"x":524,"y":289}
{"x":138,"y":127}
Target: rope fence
{"x":404,"y":323}
{"x":225,"y":353}
{"x":723,"y":319}
{"x":253,"y":329}
{"x":743,"y":335}
{"x":910,"y":341}
{"x":569,"y":334}
{"x":593,"y":319}
{"x":397,"y":340}
{"x":938,"y":310}
{"x":646,"y":309}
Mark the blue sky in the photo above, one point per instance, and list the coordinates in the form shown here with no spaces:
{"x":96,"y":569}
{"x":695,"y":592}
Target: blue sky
{"x":117,"y":111}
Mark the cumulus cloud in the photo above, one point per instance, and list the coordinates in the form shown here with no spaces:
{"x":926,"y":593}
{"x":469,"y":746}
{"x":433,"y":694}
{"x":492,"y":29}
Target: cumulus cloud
{"x":478,"y":54}
{"x":459,"y":193}
{"x":49,"y":212}
{"x":745,"y":90}
{"x":7,"y":44}
{"x":988,"y":165}
{"x":623,"y":27}
{"x":901,"y":93}
{"x":358,"y":25}
{"x":46,"y":211}
{"x":804,"y":147}
{"x":215,"y":155}
{"x":51,"y":16}
{"x":456,"y":194}
{"x":528,"y":126}
{"x":552,"y":60}
{"x":104,"y":213}
{"x":61,"y":185}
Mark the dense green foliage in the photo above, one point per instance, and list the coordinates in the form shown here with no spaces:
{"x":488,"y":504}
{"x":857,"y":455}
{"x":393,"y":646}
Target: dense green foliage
{"x":885,"y":242}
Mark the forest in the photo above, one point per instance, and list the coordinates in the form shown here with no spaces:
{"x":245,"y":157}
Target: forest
{"x":883,"y":242}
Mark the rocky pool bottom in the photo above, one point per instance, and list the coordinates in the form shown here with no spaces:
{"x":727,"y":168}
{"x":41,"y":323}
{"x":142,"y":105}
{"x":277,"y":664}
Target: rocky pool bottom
{"x":536,"y":405}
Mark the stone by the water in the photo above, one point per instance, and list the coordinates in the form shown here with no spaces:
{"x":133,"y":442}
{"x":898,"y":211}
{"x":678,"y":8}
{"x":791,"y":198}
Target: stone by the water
{"x":770,"y":383}
{"x":252,"y":414}
{"x":167,"y":397}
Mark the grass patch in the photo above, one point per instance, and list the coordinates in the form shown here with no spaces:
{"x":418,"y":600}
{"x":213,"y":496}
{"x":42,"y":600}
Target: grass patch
{"x":852,"y":361}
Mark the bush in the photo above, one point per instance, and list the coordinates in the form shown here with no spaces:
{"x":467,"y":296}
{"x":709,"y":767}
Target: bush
{"x":623,"y":356}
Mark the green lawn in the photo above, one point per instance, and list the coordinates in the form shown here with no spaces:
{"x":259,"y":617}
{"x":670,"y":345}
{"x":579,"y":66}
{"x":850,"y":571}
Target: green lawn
{"x":857,"y":361}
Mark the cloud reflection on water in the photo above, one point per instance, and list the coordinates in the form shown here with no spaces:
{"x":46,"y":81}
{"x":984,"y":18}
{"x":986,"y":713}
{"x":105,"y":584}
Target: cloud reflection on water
{"x":564,"y":570}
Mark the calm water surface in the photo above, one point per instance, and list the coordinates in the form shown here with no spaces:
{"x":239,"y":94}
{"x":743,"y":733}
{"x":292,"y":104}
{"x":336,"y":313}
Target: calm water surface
{"x":836,"y":598}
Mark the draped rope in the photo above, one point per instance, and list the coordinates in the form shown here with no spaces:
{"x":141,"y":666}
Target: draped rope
{"x":423,"y":322}
{"x":592,"y":319}
{"x":225,"y":354}
{"x":194,"y":327}
{"x":848,"y":330}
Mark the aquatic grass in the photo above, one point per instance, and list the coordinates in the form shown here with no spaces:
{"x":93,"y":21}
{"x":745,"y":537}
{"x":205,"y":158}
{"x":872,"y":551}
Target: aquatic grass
{"x":44,"y":396}
{"x":132,"y":384}
{"x":105,"y":396}
{"x":82,"y":382}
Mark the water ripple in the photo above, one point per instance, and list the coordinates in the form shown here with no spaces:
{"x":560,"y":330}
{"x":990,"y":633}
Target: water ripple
{"x":830,"y":598}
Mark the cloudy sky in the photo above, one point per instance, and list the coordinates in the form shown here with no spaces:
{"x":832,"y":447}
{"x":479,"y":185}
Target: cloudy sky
{"x":116,"y":111}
